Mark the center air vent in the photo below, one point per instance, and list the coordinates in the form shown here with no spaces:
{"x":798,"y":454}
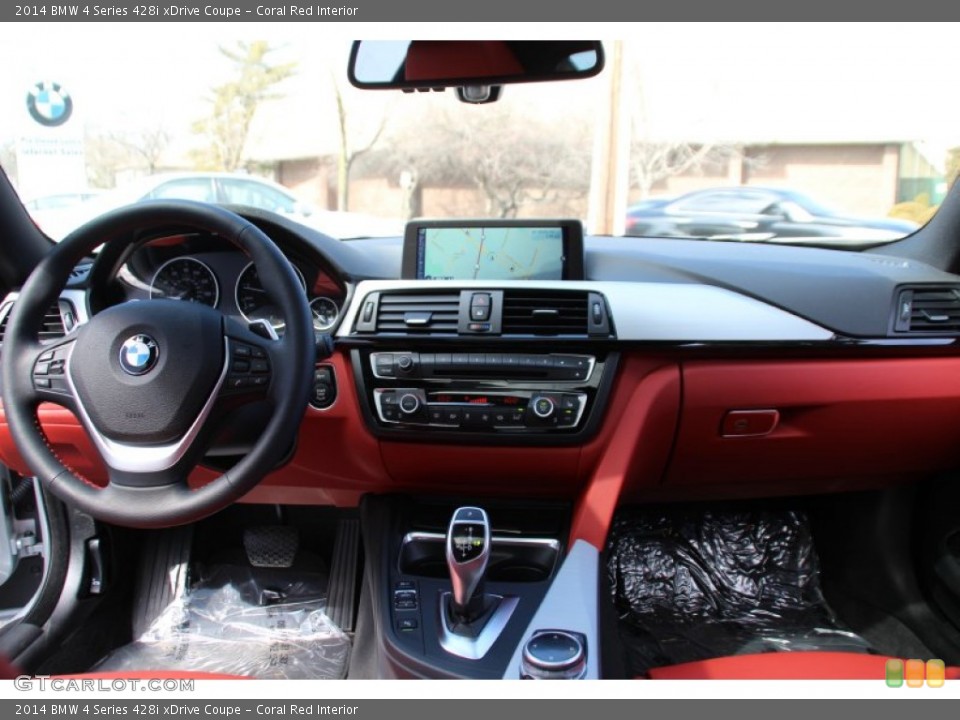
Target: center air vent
{"x":929,"y":310}
{"x":545,"y":312}
{"x":428,"y":313}
{"x":53,"y":327}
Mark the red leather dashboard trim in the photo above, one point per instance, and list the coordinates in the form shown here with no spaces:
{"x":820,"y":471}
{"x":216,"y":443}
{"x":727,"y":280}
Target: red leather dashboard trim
{"x":633,"y":444}
{"x":336,"y":461}
{"x":840,"y":421}
{"x":843,"y":424}
{"x":68,"y":438}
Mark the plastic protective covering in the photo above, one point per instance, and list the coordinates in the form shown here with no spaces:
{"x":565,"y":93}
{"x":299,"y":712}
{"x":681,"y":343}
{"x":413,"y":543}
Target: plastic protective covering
{"x":240,"y":621}
{"x":698,"y":584}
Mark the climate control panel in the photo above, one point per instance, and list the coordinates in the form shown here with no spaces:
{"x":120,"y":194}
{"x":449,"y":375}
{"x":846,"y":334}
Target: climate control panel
{"x":510,"y":410}
{"x":503,"y":396}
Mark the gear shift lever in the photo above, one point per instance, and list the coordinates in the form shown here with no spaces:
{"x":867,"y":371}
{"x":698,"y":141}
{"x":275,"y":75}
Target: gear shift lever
{"x":468,"y":550}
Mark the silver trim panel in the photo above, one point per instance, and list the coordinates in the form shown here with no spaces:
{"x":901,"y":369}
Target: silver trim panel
{"x":146,"y":458}
{"x":474,"y":648}
{"x":571,"y":605}
{"x":498,"y":373}
{"x":645,"y":311}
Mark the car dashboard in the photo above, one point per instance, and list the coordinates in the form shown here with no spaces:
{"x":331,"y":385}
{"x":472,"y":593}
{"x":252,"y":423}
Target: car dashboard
{"x":762,"y":375}
{"x":675,"y":370}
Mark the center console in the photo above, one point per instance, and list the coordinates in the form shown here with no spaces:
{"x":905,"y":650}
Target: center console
{"x":485,"y":395}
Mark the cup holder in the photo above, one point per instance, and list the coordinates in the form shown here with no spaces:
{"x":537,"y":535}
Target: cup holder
{"x":512,"y":559}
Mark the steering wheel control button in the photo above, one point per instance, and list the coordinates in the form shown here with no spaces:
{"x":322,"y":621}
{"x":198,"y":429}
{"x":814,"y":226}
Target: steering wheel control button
{"x":139,"y":354}
{"x":554,"y":655}
{"x":249,"y":369}
{"x":49,"y":371}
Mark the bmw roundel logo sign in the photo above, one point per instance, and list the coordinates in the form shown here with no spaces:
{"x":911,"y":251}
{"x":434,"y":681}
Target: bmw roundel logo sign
{"x":49,"y":104}
{"x":138,"y":354}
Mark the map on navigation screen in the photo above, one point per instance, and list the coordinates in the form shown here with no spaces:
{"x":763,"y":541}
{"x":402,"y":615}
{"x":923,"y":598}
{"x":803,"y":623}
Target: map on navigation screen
{"x":490,"y":253}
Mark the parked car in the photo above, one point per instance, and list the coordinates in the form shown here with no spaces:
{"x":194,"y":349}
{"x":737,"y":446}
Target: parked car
{"x":59,"y":201}
{"x":221,"y":188}
{"x":756,"y":214}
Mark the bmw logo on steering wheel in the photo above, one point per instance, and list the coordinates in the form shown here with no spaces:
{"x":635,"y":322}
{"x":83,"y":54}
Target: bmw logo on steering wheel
{"x":139,"y":354}
{"x":49,"y":104}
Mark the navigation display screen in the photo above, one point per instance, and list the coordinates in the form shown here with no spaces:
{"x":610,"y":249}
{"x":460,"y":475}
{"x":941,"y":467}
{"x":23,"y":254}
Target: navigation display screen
{"x":523,"y":250}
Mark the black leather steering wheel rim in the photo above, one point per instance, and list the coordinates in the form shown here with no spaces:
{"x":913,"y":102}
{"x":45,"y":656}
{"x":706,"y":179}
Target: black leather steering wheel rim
{"x":159,"y":504}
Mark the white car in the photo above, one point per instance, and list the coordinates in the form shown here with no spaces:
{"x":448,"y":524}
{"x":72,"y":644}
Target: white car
{"x":223,"y":188}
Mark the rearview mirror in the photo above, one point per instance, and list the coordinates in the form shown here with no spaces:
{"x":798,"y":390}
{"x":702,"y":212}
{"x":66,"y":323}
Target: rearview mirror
{"x":428,"y":64}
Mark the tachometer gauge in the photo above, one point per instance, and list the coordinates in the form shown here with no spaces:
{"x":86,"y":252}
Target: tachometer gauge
{"x":325,"y":313}
{"x":253,"y":301}
{"x":186,"y":278}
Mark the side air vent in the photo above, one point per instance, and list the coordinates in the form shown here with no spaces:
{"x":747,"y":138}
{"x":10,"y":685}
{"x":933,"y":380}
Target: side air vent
{"x":545,"y":312}
{"x":427,"y":313}
{"x":929,"y":310}
{"x":54,"y":326}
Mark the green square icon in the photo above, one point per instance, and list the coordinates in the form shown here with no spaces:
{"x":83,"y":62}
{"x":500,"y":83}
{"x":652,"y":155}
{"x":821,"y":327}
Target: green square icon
{"x":894,"y":672}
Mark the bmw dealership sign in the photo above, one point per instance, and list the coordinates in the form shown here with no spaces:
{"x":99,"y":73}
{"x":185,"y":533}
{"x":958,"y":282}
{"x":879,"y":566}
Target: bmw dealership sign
{"x":50,"y":142}
{"x":49,"y":104}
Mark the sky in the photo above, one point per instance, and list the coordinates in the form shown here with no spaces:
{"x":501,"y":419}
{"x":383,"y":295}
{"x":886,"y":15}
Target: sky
{"x":727,"y":82}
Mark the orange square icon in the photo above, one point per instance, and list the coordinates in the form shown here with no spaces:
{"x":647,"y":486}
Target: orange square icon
{"x":936,"y":673}
{"x":914,"y":673}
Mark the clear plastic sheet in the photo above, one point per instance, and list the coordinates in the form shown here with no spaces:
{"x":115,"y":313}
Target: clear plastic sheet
{"x":241,"y":621}
{"x":697,"y":584}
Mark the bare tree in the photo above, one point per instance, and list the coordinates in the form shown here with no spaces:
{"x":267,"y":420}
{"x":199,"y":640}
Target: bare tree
{"x":235,"y":103}
{"x":350,"y":149}
{"x":146,"y":145}
{"x":105,"y":157}
{"x":514,"y":165}
{"x":653,"y":162}
{"x":654,"y":158}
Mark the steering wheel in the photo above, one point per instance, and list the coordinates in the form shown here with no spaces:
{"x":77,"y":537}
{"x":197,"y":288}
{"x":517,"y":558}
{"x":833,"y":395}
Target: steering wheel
{"x":148,"y":379}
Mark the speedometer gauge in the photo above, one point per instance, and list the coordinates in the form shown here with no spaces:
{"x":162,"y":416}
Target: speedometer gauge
{"x":253,"y":301}
{"x":186,"y":278}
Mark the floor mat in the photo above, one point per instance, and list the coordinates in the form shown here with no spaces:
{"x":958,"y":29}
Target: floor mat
{"x":697,"y":584}
{"x":257,"y":622}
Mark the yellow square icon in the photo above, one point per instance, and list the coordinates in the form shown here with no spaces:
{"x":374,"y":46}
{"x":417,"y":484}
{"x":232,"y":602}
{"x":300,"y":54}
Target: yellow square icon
{"x":936,"y":673}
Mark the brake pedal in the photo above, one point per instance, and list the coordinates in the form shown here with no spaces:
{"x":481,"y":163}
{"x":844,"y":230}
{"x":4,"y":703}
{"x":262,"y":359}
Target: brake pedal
{"x":271,"y":546}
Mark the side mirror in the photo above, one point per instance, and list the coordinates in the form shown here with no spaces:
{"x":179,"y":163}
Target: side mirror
{"x":436,"y":64}
{"x":792,"y":212}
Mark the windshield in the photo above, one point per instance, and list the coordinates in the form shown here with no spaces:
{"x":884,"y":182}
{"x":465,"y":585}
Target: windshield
{"x":752,"y":133}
